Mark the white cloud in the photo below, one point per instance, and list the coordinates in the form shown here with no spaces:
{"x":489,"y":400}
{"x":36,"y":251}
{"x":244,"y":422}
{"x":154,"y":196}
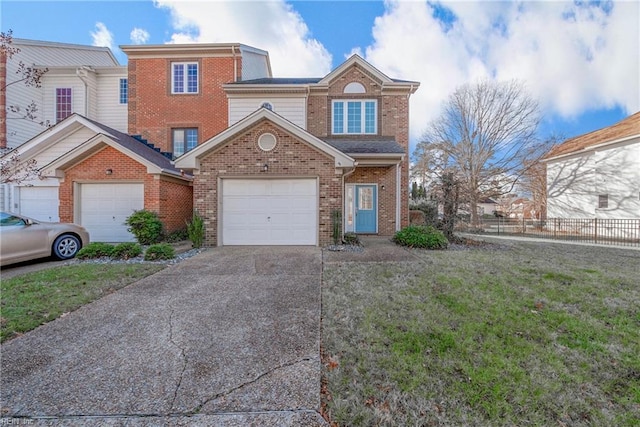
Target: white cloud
{"x":573,"y":57}
{"x":270,"y":25}
{"x":139,"y":36}
{"x":102,"y":36}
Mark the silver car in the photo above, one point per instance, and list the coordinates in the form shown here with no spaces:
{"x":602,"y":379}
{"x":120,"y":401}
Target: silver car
{"x":23,"y":239}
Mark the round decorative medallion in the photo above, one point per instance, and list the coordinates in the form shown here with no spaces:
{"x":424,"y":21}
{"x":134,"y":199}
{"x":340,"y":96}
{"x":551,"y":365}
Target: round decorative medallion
{"x":267,"y":142}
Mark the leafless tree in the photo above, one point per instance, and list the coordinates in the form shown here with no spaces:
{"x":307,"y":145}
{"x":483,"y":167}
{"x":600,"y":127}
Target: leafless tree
{"x":487,"y":134}
{"x":12,"y":168}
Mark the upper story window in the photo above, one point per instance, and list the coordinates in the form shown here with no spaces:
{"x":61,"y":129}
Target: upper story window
{"x":184,"y":77}
{"x":355,"y":117}
{"x":184,"y":139}
{"x":124,"y":91}
{"x":603,"y":201}
{"x":63,"y":103}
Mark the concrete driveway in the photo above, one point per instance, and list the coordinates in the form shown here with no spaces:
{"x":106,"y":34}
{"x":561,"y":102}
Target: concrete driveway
{"x":229,"y":337}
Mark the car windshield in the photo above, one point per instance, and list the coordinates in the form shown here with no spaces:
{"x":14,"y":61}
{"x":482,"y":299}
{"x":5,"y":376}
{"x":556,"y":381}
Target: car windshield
{"x":8,"y":220}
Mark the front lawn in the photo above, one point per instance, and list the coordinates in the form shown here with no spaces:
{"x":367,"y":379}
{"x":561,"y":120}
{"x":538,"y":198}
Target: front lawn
{"x":32,"y":299}
{"x":528,"y":334}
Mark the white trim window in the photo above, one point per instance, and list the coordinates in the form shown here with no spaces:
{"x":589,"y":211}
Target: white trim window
{"x":184,"y":77}
{"x":354,"y":117}
{"x":184,"y":140}
{"x":124,"y":91}
{"x":64,"y":105}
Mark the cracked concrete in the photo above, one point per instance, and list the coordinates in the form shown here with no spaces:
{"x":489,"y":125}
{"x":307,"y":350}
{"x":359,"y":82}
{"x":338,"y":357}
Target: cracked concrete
{"x":229,"y":337}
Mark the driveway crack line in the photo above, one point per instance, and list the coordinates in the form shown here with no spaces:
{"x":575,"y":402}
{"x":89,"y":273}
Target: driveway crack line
{"x":252,"y":381}
{"x":183,"y":355}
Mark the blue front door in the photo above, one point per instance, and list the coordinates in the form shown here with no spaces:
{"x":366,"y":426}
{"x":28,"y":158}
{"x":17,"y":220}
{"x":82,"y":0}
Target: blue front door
{"x":366,"y":209}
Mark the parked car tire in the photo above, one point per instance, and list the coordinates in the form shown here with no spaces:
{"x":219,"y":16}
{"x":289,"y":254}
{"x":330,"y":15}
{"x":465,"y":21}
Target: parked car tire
{"x":66,"y":246}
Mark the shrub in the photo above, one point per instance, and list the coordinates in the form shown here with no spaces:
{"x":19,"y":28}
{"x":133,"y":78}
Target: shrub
{"x":126,"y":250}
{"x":425,"y":237}
{"x":146,"y":226}
{"x":336,"y":226}
{"x":176,"y":236}
{"x":351,"y":238}
{"x":95,"y":250}
{"x":159,"y":251}
{"x":195,"y":230}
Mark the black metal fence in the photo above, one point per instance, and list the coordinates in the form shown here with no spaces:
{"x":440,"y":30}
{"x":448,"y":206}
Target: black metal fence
{"x":621,"y":232}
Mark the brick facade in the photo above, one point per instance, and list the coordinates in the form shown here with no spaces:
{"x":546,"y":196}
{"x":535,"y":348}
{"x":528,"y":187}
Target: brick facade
{"x":241,"y":157}
{"x":154,"y":110}
{"x":171,"y":199}
{"x":383,"y":177}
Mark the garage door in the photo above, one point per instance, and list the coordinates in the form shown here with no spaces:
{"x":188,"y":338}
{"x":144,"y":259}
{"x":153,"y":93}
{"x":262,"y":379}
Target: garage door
{"x":40,"y":203}
{"x":105,"y":207}
{"x":269,"y":212}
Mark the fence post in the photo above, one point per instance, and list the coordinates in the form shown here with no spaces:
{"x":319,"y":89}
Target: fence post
{"x":524,"y":225}
{"x":555,"y":227}
{"x":595,"y":231}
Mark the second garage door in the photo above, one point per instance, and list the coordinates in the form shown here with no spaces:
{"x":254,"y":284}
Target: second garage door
{"x":269,"y":212}
{"x":105,"y":207}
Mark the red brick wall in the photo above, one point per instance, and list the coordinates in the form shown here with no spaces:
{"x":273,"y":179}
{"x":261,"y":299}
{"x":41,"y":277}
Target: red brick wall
{"x":242,"y":157}
{"x":154,"y":111}
{"x":170,"y":199}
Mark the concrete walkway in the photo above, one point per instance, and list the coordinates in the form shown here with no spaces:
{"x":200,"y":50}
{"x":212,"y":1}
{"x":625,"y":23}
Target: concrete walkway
{"x":229,"y":337}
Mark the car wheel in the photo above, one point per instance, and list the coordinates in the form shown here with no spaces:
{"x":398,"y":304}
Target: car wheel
{"x":66,"y":246}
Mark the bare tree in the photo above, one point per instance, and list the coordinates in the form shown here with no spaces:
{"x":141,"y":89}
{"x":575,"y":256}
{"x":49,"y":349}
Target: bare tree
{"x":487,"y":135}
{"x":13,"y":170}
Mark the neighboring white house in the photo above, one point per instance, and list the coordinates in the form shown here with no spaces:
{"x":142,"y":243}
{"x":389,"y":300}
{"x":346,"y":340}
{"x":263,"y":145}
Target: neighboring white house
{"x":87,"y":80}
{"x":596,"y":175}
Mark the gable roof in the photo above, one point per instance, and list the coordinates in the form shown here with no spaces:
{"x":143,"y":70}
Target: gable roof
{"x":191,"y":159}
{"x":624,"y":129}
{"x":52,"y":54}
{"x":134,"y":148}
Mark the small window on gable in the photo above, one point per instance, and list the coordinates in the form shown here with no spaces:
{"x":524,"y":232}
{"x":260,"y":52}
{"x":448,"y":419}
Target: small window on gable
{"x":354,"y":87}
{"x":603,"y":201}
{"x":267,"y":105}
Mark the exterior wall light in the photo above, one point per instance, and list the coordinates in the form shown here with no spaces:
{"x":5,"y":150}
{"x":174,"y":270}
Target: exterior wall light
{"x":265,"y":168}
{"x":109,"y":171}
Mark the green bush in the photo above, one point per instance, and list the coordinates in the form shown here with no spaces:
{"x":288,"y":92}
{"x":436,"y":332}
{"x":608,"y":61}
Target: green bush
{"x":146,"y":226}
{"x":421,"y":236}
{"x":195,"y":230}
{"x":176,"y":236}
{"x":126,"y":250}
{"x":351,"y":238}
{"x":159,"y":251}
{"x":95,"y":250}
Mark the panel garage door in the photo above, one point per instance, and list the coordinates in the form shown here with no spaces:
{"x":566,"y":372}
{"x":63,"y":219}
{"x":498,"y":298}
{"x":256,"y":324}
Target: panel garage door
{"x":105,"y":207}
{"x":40,"y":203}
{"x":269,"y":212}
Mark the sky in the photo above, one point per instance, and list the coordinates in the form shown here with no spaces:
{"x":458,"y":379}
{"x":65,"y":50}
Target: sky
{"x":580,"y":60}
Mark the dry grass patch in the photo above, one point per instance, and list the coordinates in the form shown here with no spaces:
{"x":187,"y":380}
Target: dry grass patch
{"x":535,"y":334}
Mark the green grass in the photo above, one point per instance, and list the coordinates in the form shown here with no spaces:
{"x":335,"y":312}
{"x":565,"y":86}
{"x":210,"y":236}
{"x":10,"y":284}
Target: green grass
{"x":32,"y":299}
{"x":530,"y":335}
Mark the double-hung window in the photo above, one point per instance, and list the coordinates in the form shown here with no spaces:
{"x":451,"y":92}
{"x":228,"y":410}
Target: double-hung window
{"x":124,"y":91}
{"x":184,"y":77}
{"x":355,"y":117}
{"x":64,"y":104}
{"x":184,"y":139}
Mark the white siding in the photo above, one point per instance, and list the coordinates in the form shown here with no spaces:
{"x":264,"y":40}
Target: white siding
{"x":254,"y":65}
{"x":292,"y":109}
{"x":574,"y":184}
{"x":109,"y":110}
{"x":49,"y":86}
{"x":43,"y":54}
{"x":63,"y":146}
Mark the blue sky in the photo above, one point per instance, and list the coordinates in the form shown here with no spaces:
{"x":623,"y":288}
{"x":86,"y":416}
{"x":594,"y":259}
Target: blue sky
{"x":581,"y":60}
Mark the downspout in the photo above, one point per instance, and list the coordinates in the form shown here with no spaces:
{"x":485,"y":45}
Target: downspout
{"x":79,"y":73}
{"x":235,"y":64}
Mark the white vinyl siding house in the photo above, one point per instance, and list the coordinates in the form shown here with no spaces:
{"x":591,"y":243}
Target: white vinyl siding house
{"x":293,"y":109}
{"x":579,"y":181}
{"x":111,"y":111}
{"x":255,"y":63}
{"x":52,"y":56}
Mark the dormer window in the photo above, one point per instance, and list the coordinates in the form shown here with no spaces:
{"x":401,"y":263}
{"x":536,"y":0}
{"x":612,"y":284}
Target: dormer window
{"x":354,"y":117}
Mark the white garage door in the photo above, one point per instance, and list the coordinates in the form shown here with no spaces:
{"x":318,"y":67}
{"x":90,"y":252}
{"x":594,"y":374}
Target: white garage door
{"x":40,"y":203}
{"x":269,"y":212}
{"x":105,"y":207}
